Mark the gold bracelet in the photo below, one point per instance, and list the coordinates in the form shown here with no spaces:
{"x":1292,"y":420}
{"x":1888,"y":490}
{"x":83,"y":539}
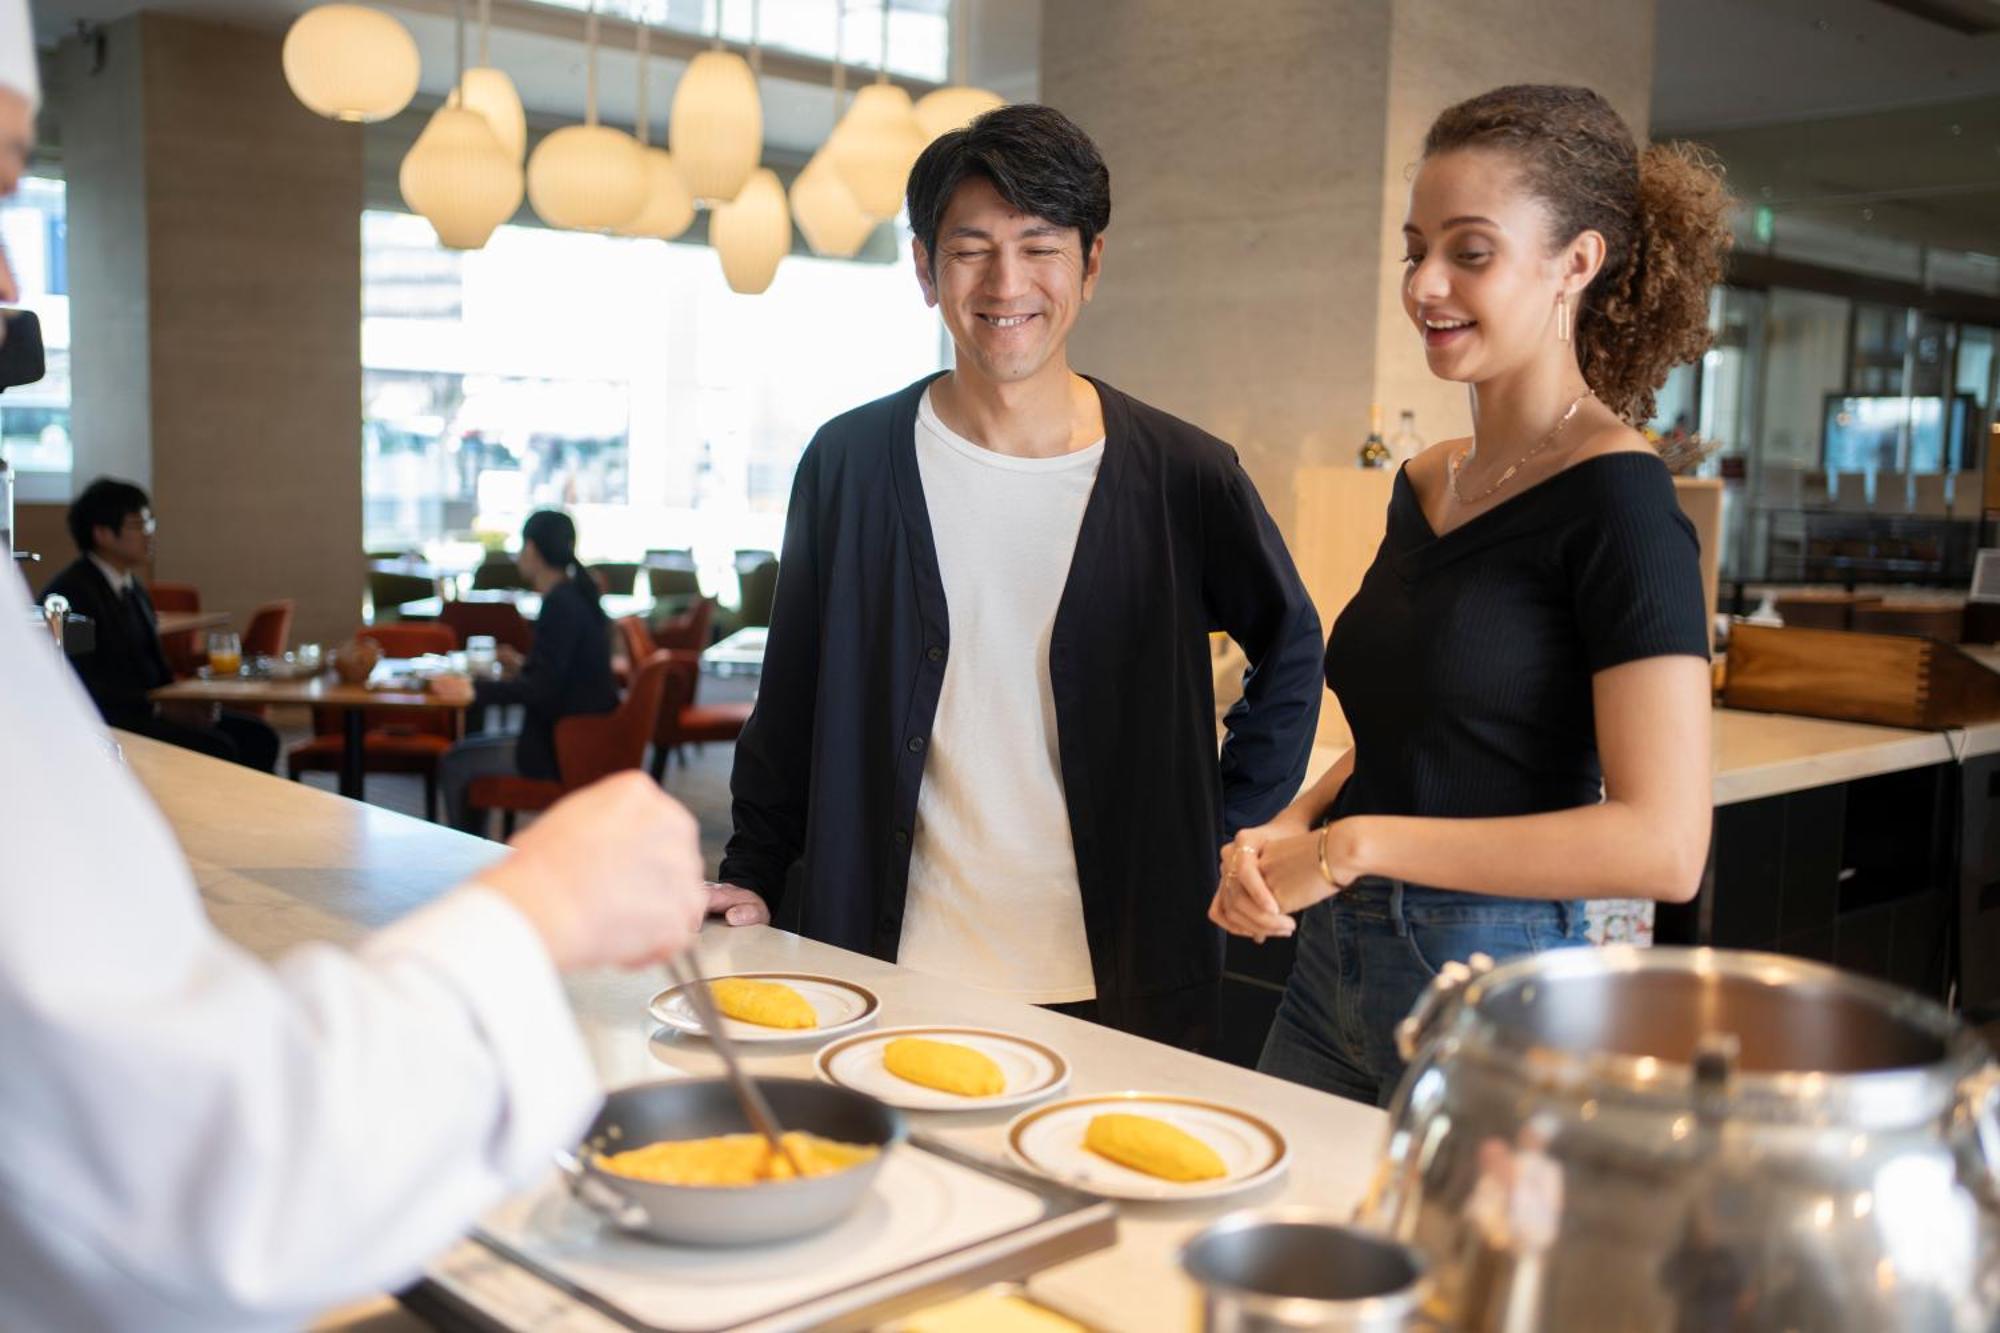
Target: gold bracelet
{"x":1324,"y":868}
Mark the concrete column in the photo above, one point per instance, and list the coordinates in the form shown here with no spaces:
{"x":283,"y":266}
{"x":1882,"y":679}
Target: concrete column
{"x":1259,"y":158}
{"x":1245,"y":146}
{"x":216,"y":238}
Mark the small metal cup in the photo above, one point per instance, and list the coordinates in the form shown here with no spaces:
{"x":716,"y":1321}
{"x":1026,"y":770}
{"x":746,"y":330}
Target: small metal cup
{"x":1284,"y":1270}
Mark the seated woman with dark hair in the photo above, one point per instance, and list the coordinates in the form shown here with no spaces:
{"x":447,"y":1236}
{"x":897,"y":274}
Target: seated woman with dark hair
{"x":567,"y":673}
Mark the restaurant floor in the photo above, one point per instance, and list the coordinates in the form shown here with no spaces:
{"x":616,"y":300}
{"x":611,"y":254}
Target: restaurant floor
{"x":701,"y":783}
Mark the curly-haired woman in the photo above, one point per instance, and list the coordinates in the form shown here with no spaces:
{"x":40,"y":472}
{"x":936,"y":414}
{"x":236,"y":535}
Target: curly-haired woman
{"x":1525,"y":666}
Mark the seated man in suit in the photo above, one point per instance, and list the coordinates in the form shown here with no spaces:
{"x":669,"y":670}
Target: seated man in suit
{"x":112,"y":524}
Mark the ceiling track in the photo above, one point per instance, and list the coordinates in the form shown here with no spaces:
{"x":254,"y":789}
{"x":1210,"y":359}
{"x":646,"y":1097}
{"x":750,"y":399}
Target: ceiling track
{"x":541,"y":20}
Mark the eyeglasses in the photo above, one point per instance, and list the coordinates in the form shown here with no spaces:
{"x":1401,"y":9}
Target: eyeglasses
{"x":147,"y":524}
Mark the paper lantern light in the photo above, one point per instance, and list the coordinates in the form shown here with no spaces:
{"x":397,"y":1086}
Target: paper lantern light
{"x":832,"y":223}
{"x":460,"y":178}
{"x":717,"y":131}
{"x":348,"y":62}
{"x":752,"y":232}
{"x":874,"y":147}
{"x":953,"y":108}
{"x":491,"y":93}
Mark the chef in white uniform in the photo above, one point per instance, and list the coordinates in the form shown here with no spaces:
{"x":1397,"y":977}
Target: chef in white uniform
{"x":193,"y":1140}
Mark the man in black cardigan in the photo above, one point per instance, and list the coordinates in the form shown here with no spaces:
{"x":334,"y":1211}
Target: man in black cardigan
{"x":985,"y":735}
{"x":112,"y":524}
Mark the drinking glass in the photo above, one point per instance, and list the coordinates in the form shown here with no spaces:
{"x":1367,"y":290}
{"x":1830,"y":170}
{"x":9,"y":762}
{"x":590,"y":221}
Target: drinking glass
{"x":225,"y":653}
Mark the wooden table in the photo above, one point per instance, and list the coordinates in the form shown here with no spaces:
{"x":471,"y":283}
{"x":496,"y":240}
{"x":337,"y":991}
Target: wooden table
{"x":324,"y":691}
{"x":187,"y":622}
{"x":323,"y":869}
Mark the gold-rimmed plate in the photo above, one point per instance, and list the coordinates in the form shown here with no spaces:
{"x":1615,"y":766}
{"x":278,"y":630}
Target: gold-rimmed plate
{"x":1049,"y":1140}
{"x":1032,"y":1070}
{"x":840,"y":1006}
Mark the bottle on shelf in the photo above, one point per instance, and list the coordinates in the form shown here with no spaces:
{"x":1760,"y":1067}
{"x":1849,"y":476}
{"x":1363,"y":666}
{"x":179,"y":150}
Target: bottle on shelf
{"x":1374,"y":453}
{"x":1405,"y":444}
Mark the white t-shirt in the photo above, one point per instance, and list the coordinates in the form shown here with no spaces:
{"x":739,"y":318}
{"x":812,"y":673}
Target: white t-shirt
{"x":993,"y":898}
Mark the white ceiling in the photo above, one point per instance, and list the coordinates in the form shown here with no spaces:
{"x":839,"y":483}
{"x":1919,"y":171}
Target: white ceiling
{"x":1728,"y":64}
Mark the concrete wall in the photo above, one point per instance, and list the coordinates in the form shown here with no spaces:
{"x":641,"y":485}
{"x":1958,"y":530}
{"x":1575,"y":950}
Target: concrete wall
{"x":1259,"y":164}
{"x":216,"y":227}
{"x":102,"y":114}
{"x":1245,"y":146}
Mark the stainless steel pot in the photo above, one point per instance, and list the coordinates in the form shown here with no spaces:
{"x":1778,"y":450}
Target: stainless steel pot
{"x":713,"y":1215}
{"x":1294,"y":1270}
{"x":1679,"y":1139}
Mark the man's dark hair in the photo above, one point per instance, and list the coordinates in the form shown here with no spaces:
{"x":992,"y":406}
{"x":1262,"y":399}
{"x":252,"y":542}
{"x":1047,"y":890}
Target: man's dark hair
{"x":1039,"y":160}
{"x":105,"y":503}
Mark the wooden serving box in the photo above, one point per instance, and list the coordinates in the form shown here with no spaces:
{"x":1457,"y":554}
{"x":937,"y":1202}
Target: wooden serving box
{"x":1892,"y":680}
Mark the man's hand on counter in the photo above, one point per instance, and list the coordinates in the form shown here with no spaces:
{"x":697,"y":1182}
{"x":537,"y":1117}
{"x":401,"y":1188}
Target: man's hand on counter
{"x":738,"y":906}
{"x":610,"y":876}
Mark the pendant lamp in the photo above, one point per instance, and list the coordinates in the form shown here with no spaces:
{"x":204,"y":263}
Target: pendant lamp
{"x":489,"y":91}
{"x":348,"y":62}
{"x":457,"y":175}
{"x":669,"y":208}
{"x":954,"y":108}
{"x":716,"y":130}
{"x":822,"y":205}
{"x":752,"y":232}
{"x":587,"y":177}
{"x":877,"y":142}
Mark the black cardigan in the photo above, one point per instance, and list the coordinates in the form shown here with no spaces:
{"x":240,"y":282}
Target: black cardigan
{"x":567,"y":672}
{"x":126,"y":660}
{"x":1174,"y":543}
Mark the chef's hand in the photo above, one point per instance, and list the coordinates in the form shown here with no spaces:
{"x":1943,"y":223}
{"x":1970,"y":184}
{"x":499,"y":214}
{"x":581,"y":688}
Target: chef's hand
{"x":1291,"y":866}
{"x":610,"y":876}
{"x":738,"y":906}
{"x":1243,"y":903}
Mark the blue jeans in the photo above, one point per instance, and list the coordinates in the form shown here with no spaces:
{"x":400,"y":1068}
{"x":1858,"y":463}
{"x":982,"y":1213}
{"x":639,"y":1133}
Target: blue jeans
{"x":1365,"y":956}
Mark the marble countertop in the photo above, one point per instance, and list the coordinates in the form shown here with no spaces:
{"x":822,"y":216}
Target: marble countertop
{"x":279,"y":864}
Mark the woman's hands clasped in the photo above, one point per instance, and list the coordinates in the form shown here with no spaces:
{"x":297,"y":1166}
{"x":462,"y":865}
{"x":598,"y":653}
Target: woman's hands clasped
{"x":1273,"y":870}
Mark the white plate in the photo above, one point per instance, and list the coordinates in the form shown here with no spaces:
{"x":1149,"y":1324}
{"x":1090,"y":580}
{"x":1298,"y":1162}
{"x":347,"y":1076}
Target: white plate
{"x":1050,"y":1140}
{"x":1032,"y":1070}
{"x":841,"y":1006}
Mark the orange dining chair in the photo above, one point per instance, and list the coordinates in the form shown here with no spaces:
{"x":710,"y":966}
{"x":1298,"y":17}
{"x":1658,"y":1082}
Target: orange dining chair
{"x":184,"y":651}
{"x":394,"y":740}
{"x":685,"y":722}
{"x":688,"y":631}
{"x":635,"y":644}
{"x":270,"y":629}
{"x":588,"y":747}
{"x":503,"y":621}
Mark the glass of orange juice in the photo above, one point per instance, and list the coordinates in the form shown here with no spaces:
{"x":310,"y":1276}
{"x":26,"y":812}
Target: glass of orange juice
{"x":225,"y":654}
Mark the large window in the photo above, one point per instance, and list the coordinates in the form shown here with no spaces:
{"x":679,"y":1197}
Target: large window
{"x":619,"y":379}
{"x":34,"y":418}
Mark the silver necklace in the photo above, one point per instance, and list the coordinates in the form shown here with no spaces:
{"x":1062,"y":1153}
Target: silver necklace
{"x":1471,"y":451}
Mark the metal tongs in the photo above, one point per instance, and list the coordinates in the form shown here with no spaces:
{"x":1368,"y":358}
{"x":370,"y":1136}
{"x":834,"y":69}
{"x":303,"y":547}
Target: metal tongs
{"x":686,"y":973}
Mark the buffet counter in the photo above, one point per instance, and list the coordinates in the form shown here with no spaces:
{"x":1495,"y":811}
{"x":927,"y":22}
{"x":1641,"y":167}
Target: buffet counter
{"x":1757,"y":755}
{"x":279,"y":864}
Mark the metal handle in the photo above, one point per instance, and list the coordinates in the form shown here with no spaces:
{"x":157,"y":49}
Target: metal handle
{"x":599,"y":1197}
{"x":55,"y":612}
{"x":1439,"y":999}
{"x":762,"y":1119}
